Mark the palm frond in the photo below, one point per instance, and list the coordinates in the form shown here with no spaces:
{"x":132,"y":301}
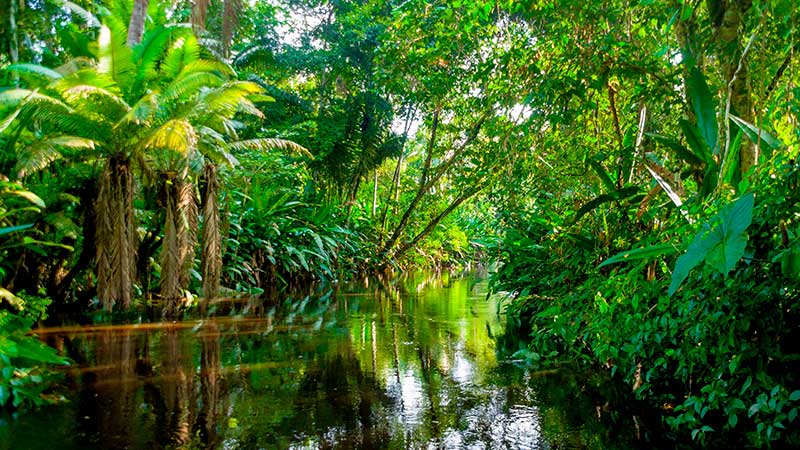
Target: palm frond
{"x":176,"y":135}
{"x":114,"y":57}
{"x":187,"y":86}
{"x":264,"y":144}
{"x":75,"y":65}
{"x":5,"y":123}
{"x":213,"y":146}
{"x":183,"y":52}
{"x":39,"y":72}
{"x":229,"y":99}
{"x":141,"y":112}
{"x":152,"y":49}
{"x":86,"y":76}
{"x":94,"y":100}
{"x":42,"y":153}
{"x":17,"y":97}
{"x":79,"y":11}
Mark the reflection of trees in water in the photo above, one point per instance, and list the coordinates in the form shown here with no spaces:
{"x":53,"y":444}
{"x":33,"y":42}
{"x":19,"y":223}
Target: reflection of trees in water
{"x":176,"y":417}
{"x":211,"y":385}
{"x":107,"y":403}
{"x":342,"y":404}
{"x":125,"y":401}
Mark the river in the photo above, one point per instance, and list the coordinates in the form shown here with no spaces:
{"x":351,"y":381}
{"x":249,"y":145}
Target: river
{"x":408,"y":363}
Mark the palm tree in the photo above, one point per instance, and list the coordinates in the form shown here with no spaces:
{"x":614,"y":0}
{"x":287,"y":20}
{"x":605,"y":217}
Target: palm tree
{"x":159,"y":107}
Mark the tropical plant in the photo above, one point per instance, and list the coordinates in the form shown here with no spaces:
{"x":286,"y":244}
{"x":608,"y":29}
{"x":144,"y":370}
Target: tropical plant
{"x":23,"y":376}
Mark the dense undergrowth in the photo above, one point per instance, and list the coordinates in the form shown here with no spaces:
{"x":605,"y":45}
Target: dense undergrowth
{"x":719,"y":356}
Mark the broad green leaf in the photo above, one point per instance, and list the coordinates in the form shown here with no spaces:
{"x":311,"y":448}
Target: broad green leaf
{"x":696,"y":142}
{"x":721,"y":246}
{"x":695,"y":254}
{"x":704,"y":108}
{"x":682,"y":152}
{"x":32,"y":349}
{"x":731,"y":173}
{"x":603,"y":174}
{"x":649,"y":252}
{"x":757,"y":135}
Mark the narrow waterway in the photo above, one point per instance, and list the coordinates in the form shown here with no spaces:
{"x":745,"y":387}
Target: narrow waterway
{"x":409,"y":363}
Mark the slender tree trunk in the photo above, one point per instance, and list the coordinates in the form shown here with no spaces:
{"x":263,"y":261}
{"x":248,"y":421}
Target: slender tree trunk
{"x":423,"y":186}
{"x":13,"y":42}
{"x":136,"y":25}
{"x":437,"y":220}
{"x":375,"y":194}
{"x":727,"y":17}
{"x":430,"y":178}
{"x":394,"y":193}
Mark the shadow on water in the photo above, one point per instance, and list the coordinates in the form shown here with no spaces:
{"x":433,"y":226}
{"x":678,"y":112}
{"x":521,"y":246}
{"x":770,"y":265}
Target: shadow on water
{"x":401,"y":363}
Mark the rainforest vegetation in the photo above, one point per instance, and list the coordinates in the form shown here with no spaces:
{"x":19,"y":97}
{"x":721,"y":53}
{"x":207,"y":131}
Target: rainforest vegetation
{"x":626,"y":168}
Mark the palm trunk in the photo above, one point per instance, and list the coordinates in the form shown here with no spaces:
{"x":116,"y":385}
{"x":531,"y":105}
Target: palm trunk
{"x":177,"y":250}
{"x":115,"y":234}
{"x":212,"y":239}
{"x":136,"y":25}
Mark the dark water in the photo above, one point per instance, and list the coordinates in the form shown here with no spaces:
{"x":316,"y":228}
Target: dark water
{"x":405,"y":364}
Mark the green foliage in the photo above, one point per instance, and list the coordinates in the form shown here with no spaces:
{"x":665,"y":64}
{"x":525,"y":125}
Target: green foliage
{"x":24,"y":379}
{"x":720,"y":243}
{"x":722,"y":339}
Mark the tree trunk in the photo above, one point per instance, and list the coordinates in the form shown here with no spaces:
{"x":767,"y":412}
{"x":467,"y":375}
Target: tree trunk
{"x":177,"y":249}
{"x":136,"y":25}
{"x":115,"y":234}
{"x":212,"y":239}
{"x":436,"y":220}
{"x":428,"y":179}
{"x":375,"y":194}
{"x":727,"y":17}
{"x":13,"y":42}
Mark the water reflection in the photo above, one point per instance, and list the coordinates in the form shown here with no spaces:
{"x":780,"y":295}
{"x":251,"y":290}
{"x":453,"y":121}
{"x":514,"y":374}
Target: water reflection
{"x":399,"y":364}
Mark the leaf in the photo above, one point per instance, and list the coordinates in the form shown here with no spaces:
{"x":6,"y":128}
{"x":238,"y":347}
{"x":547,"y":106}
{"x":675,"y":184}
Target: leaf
{"x":33,"y":349}
{"x":8,"y":296}
{"x":605,"y":198}
{"x":721,"y":246}
{"x":34,"y":69}
{"x":696,"y":253}
{"x":640,"y":253}
{"x":695,"y":141}
{"x":114,"y":57}
{"x":682,"y":152}
{"x":30,"y":196}
{"x":704,"y":108}
{"x":666,"y":187}
{"x":795,"y":396}
{"x":756,"y":135}
{"x":603,"y":174}
{"x":9,"y":230}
